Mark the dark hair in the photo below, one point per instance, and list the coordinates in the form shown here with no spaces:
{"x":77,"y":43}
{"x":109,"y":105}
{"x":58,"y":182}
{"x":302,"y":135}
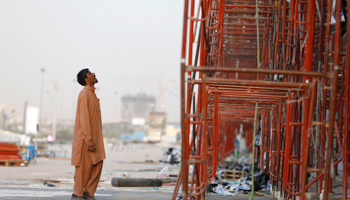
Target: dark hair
{"x":82,"y":76}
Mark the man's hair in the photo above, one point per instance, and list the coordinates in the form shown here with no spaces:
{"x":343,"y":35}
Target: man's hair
{"x":82,"y":76}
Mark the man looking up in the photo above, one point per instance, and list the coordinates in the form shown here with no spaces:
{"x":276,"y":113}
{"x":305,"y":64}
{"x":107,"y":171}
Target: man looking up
{"x":88,"y":150}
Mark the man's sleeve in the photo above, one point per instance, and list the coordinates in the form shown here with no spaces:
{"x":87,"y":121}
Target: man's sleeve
{"x":84,"y":117}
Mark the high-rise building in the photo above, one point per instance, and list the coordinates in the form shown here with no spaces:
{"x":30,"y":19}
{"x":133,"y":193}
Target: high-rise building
{"x":137,"y":107}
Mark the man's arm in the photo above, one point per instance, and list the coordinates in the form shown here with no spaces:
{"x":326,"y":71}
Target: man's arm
{"x":85,"y":122}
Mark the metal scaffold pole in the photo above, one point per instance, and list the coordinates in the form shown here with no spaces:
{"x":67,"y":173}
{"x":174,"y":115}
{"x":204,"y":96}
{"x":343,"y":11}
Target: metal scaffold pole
{"x":286,"y":61}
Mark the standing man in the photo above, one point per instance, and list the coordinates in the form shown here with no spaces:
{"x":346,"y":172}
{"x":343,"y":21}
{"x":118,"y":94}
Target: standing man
{"x":88,"y":150}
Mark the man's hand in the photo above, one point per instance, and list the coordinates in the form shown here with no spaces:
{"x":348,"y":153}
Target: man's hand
{"x":91,"y":145}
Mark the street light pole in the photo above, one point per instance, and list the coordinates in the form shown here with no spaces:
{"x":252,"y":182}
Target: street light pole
{"x":41,"y":109}
{"x":54,"y":109}
{"x":115,"y":105}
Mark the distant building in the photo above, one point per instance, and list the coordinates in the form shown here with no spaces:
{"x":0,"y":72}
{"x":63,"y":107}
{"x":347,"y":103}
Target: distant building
{"x":137,"y":107}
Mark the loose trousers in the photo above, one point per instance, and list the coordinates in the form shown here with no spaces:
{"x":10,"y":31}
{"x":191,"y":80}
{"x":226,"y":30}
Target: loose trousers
{"x":86,"y":175}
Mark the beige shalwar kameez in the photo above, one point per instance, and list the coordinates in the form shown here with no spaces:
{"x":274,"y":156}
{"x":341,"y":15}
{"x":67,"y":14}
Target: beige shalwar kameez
{"x":88,"y":125}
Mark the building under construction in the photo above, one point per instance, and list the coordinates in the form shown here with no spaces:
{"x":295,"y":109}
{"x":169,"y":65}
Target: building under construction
{"x":283,"y":61}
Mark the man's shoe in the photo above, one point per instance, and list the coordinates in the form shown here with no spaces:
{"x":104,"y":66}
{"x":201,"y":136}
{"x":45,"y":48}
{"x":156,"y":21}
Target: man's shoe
{"x":87,"y":196}
{"x":75,"y":197}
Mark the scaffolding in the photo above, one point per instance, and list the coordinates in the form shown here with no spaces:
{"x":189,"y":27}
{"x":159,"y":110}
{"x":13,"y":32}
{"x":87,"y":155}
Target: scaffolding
{"x":286,"y":61}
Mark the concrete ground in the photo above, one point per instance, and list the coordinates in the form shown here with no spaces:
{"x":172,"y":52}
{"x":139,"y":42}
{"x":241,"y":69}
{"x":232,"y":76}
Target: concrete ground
{"x":32,"y":182}
{"x":25,"y":193}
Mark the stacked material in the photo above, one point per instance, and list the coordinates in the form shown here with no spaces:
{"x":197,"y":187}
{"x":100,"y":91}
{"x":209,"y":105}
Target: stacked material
{"x":242,"y":186}
{"x":9,"y":155}
{"x":234,"y":175}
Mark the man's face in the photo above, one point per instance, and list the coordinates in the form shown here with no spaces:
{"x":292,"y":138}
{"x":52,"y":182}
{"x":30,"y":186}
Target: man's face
{"x":91,"y":78}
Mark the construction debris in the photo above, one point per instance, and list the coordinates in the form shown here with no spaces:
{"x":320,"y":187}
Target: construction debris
{"x":219,"y":189}
{"x":48,"y":184}
{"x":238,"y":182}
{"x":172,"y":156}
{"x":164,"y":173}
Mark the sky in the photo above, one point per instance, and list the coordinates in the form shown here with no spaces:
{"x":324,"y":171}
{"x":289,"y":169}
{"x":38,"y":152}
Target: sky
{"x":131,"y":45}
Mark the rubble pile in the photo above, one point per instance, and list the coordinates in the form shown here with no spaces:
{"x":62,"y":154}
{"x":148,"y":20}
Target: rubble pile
{"x":172,"y":156}
{"x":238,"y":180}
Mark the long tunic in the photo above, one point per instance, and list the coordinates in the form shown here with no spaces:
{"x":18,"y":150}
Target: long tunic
{"x":88,"y":125}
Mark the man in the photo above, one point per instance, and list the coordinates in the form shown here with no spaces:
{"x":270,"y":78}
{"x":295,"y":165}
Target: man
{"x":88,"y":150}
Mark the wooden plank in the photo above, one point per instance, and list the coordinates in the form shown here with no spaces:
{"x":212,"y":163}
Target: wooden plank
{"x":234,"y":175}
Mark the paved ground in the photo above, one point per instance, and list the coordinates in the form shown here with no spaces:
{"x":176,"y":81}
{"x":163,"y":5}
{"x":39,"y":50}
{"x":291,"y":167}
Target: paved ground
{"x":26,"y":183}
{"x":30,"y":193}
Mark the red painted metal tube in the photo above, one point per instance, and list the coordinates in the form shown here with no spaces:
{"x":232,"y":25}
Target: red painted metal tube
{"x":228,"y":89}
{"x":327,"y":182}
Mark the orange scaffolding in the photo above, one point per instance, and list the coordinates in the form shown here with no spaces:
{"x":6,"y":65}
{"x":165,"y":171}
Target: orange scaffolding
{"x":300,"y":88}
